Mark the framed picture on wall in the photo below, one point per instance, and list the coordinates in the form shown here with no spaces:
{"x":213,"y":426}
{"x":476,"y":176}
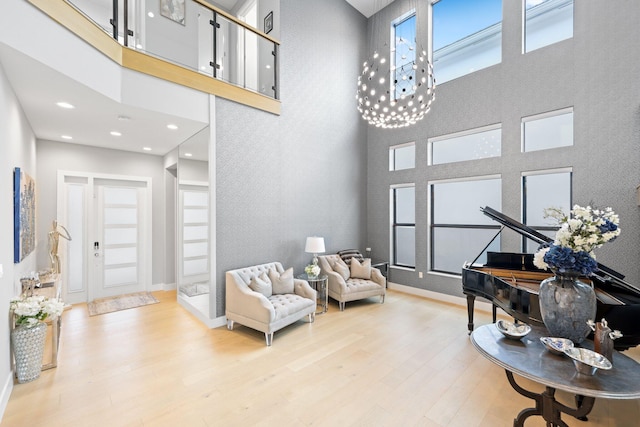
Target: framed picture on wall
{"x":268,"y":23}
{"x":173,"y":9}
{"x":24,"y":215}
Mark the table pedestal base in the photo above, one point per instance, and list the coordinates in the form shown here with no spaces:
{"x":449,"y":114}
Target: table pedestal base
{"x":548,"y":407}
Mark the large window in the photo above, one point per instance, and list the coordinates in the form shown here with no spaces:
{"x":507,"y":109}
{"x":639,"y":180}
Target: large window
{"x":467,"y":36}
{"x":402,"y":156}
{"x":404,"y":56}
{"x":403,"y":227}
{"x":548,"y":130}
{"x":469,"y":145}
{"x":459,"y":230}
{"x":541,"y":190}
{"x":547,"y":22}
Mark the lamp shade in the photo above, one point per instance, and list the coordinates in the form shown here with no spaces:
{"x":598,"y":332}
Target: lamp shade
{"x":315,"y":245}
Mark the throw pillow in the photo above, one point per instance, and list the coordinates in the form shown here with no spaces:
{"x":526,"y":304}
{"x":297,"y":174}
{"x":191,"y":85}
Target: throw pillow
{"x":347,"y":254}
{"x":261,"y":286}
{"x":341,"y":268}
{"x":361,"y":271}
{"x":282,"y":283}
{"x":265,"y":276}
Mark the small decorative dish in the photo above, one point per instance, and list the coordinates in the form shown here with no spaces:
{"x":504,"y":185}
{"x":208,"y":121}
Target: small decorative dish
{"x":514,"y":331}
{"x":587,"y":362}
{"x":556,"y":345}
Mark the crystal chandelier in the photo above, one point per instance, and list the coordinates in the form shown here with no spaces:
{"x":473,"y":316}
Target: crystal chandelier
{"x":399,"y":94}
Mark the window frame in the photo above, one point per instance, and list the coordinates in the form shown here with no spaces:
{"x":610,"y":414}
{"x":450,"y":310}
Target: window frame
{"x":524,"y":28}
{"x":541,"y":228}
{"x":394,"y":48}
{"x":432,"y":226}
{"x":472,"y":40}
{"x":392,"y":155}
{"x":543,"y":116}
{"x":455,"y":135}
{"x":394,"y":224}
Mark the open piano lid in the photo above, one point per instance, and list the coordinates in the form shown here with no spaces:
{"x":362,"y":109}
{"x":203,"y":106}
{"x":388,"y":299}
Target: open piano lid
{"x":604,"y":273}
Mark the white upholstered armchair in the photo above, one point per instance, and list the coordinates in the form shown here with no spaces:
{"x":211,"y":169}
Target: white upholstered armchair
{"x":267,"y":298}
{"x":350,"y":283}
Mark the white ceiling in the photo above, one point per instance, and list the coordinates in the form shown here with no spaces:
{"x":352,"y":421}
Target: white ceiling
{"x":369,"y":7}
{"x":38,"y":89}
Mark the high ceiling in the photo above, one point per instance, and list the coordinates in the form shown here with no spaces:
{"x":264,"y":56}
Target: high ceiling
{"x":95,"y":116}
{"x":369,"y":7}
{"x":39,"y":88}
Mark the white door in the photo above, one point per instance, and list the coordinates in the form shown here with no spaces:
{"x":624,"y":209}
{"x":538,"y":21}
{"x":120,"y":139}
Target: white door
{"x":193,"y":234}
{"x":119,"y":244}
{"x":110,"y":224}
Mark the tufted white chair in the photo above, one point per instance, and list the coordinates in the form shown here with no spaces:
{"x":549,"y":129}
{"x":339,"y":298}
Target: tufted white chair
{"x":351,"y":289}
{"x":266,"y":314}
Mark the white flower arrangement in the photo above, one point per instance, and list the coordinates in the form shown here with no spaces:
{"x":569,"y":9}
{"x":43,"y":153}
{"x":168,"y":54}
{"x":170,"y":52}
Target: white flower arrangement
{"x":584,"y":230}
{"x":312,"y":270}
{"x":36,"y":308}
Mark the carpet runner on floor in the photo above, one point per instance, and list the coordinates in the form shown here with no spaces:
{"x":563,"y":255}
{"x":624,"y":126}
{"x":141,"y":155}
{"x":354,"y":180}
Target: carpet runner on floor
{"x":122,"y":302}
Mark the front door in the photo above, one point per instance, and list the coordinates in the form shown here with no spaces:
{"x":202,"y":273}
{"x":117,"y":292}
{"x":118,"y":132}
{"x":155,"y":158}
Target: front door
{"x":119,"y":244}
{"x":109,"y":219}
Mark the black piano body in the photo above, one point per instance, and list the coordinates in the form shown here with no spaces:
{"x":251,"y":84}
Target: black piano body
{"x":511,"y":282}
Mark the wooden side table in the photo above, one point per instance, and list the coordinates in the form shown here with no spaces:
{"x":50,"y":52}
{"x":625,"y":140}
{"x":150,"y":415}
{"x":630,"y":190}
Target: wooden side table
{"x":320,"y":284}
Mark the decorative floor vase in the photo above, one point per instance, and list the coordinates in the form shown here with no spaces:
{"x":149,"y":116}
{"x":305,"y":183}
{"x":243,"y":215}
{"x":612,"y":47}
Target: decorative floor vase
{"x":566,"y":304}
{"x":28,"y":348}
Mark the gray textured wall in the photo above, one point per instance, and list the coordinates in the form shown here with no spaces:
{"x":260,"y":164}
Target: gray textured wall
{"x":596,"y":72}
{"x":303,"y":173}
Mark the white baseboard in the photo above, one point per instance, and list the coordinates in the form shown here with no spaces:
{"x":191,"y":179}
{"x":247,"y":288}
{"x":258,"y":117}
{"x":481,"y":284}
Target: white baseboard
{"x":6,"y":393}
{"x":162,"y":287}
{"x":450,"y":299}
{"x":210,"y":323}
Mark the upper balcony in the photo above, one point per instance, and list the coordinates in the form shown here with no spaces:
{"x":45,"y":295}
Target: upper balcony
{"x":188,"y":42}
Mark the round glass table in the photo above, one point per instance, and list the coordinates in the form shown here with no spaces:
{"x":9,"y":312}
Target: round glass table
{"x":320,"y":284}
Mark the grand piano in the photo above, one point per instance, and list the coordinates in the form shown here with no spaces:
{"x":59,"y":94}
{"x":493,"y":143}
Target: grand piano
{"x":511,"y":282}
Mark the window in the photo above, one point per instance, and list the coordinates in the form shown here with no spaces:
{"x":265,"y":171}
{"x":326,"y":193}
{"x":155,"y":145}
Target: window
{"x":547,"y":22}
{"x":459,"y":230}
{"x":402,"y":156}
{"x":469,"y":145}
{"x":541,"y":190}
{"x":467,"y":36}
{"x":404,"y":56}
{"x":403,"y":233}
{"x":548,"y":130}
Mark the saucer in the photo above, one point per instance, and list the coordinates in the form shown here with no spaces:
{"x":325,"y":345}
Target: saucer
{"x":512,"y":330}
{"x":556,"y":345}
{"x":586,"y":361}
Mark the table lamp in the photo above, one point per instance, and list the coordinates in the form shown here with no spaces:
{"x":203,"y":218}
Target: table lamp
{"x":315,"y":246}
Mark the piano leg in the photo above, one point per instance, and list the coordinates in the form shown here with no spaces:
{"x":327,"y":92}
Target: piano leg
{"x":471,"y":299}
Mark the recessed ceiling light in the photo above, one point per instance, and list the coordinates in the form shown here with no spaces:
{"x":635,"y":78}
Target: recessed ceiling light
{"x":146,"y":148}
{"x":66,"y":137}
{"x":115,"y":133}
{"x":172,"y":126}
{"x":188,"y":154}
{"x":150,"y":14}
{"x":66,"y":105}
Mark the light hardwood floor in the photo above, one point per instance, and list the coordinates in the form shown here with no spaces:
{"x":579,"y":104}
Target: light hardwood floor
{"x":407,"y":362}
